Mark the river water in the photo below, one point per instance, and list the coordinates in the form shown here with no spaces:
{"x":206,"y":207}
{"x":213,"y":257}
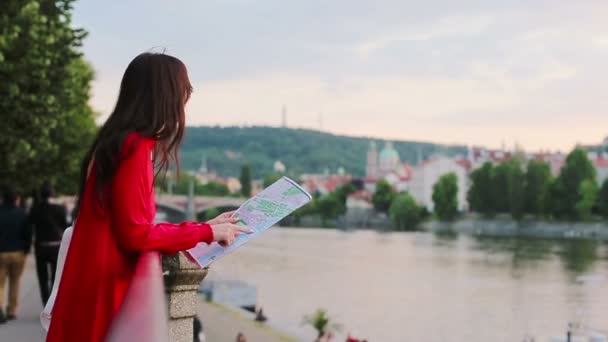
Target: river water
{"x":422,"y":286}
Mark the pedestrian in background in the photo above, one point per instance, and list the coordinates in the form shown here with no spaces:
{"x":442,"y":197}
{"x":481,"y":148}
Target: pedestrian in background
{"x":15,"y":243}
{"x":49,"y":221}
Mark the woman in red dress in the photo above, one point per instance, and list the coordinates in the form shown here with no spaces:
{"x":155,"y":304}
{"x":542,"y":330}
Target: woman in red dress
{"x":116,"y":208}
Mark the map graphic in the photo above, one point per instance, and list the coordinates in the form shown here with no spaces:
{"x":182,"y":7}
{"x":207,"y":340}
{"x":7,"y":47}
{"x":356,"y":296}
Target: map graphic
{"x":258,"y":213}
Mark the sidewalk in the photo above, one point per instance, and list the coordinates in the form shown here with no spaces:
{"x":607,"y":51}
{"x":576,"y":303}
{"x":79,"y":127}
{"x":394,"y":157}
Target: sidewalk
{"x":27,"y":327}
{"x":220,"y":324}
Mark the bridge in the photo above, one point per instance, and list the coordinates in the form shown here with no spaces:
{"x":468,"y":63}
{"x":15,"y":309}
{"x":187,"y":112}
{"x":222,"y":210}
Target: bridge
{"x":177,"y":208}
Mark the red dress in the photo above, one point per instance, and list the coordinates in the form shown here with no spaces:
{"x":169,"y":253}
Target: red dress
{"x":106,"y":243}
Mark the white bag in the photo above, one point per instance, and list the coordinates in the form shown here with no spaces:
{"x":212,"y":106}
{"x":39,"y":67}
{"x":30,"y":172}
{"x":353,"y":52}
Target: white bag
{"x":45,"y":315}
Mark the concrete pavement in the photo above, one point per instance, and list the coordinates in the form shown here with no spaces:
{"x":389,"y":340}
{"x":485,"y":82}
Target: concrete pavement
{"x":220,"y":324}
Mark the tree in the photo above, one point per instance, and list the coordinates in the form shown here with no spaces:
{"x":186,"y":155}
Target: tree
{"x":383,"y":196}
{"x":516,"y":189}
{"x":271,"y":178}
{"x":212,"y":189}
{"x":500,"y":188}
{"x":328,"y":207}
{"x":321,"y":322}
{"x":404,"y":212}
{"x":577,"y":169}
{"x":47,"y":122}
{"x":481,"y":194}
{"x":181,"y":186}
{"x":538,"y":178}
{"x":445,"y":197}
{"x":602,"y":200}
{"x":587,"y":196}
{"x":342,"y":193}
{"x":245,"y":180}
{"x":211,"y":213}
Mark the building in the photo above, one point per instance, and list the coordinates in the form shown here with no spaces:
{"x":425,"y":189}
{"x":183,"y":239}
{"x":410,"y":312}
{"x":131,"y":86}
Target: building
{"x":386,"y":165}
{"x":555,"y":160}
{"x":279,"y":167}
{"x":600,"y":162}
{"x":204,"y":175}
{"x":323,"y":184}
{"x":427,"y":173}
{"x":480,"y":155}
{"x":359,"y":200}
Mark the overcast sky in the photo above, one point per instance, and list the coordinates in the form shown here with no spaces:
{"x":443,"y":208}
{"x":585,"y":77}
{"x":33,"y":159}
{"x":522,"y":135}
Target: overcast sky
{"x":473,"y":72}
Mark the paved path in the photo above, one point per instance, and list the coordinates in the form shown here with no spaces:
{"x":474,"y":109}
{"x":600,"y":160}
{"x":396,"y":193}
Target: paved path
{"x":220,"y":324}
{"x":27,"y":327}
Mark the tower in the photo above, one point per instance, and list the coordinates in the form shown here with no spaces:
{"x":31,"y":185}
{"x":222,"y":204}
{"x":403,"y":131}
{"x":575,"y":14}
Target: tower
{"x":320,"y":121}
{"x":203,"y":169}
{"x":284,"y":117}
{"x":372,"y":161}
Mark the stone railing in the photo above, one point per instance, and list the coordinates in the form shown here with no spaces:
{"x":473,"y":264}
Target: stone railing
{"x":155,"y":313}
{"x":182,"y":280}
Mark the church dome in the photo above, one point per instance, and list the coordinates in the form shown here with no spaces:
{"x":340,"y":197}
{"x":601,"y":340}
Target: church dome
{"x":389,"y":158}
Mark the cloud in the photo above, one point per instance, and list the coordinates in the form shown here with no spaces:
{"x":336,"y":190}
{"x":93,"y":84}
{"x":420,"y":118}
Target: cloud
{"x":437,"y":70}
{"x":450,"y":26}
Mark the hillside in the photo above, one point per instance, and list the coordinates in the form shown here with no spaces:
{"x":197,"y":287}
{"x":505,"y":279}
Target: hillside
{"x":302,"y":151}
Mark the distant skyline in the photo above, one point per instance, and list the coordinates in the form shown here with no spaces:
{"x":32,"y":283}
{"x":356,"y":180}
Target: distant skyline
{"x":479,"y":72}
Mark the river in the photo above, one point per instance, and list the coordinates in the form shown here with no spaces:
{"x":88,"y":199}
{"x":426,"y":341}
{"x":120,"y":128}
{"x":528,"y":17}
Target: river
{"x":424,"y":287}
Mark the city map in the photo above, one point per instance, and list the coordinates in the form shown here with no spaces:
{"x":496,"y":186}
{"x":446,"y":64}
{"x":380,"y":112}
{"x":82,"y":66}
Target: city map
{"x":258,"y":213}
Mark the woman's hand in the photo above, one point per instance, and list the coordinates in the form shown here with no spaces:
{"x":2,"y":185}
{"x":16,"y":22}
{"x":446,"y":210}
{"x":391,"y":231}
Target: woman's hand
{"x":224,"y":218}
{"x":225,"y":233}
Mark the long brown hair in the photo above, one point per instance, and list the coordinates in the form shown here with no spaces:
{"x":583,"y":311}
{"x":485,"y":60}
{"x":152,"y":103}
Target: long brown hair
{"x":153,"y":93}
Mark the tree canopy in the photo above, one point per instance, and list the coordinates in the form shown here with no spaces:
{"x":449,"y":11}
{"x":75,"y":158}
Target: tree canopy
{"x":47,"y":124}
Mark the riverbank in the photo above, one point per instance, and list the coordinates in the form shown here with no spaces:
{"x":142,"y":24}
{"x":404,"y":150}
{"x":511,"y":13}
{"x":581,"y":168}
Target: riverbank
{"x":530,"y":228}
{"x":221,"y":323}
{"x":476,"y":225}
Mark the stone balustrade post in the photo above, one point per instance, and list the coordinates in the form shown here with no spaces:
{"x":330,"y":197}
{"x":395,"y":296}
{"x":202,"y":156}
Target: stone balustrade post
{"x":182,"y":280}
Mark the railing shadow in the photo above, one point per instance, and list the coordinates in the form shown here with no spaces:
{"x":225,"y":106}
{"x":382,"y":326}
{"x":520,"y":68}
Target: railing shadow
{"x":143,"y":314}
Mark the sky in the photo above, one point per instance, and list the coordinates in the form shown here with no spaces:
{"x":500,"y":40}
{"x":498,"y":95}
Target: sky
{"x":488,"y":73}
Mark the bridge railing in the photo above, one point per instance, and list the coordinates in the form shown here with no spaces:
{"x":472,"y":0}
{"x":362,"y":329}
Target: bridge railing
{"x":143,"y":314}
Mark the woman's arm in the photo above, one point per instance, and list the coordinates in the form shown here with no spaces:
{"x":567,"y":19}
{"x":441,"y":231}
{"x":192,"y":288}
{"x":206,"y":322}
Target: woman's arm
{"x":131,"y":208}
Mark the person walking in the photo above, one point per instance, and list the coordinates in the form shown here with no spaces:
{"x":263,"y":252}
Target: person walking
{"x":15,"y":243}
{"x":49,"y":221}
{"x":115,"y":210}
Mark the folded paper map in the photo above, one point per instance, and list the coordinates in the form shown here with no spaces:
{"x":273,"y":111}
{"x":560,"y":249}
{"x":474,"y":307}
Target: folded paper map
{"x":258,"y":213}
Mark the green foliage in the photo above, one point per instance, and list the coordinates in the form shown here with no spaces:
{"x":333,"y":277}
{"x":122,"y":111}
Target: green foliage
{"x":445,"y":197}
{"x":341,"y":194}
{"x":329,"y":207}
{"x":271,"y":178}
{"x":321,"y":322}
{"x":516,"y":189}
{"x":383,"y":196}
{"x":538,"y":178}
{"x":211,"y":189}
{"x":500,"y":188}
{"x":566,"y":191}
{"x":182,"y":185}
{"x":404,"y":212}
{"x":302,"y":151}
{"x":602,"y":200}
{"x":587,"y":192}
{"x":211,"y":213}
{"x":245,"y":180}
{"x":47,"y":123}
{"x":481,"y":195}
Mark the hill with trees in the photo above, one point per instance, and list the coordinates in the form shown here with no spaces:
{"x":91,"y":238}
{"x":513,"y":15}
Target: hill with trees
{"x":227,"y":149}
